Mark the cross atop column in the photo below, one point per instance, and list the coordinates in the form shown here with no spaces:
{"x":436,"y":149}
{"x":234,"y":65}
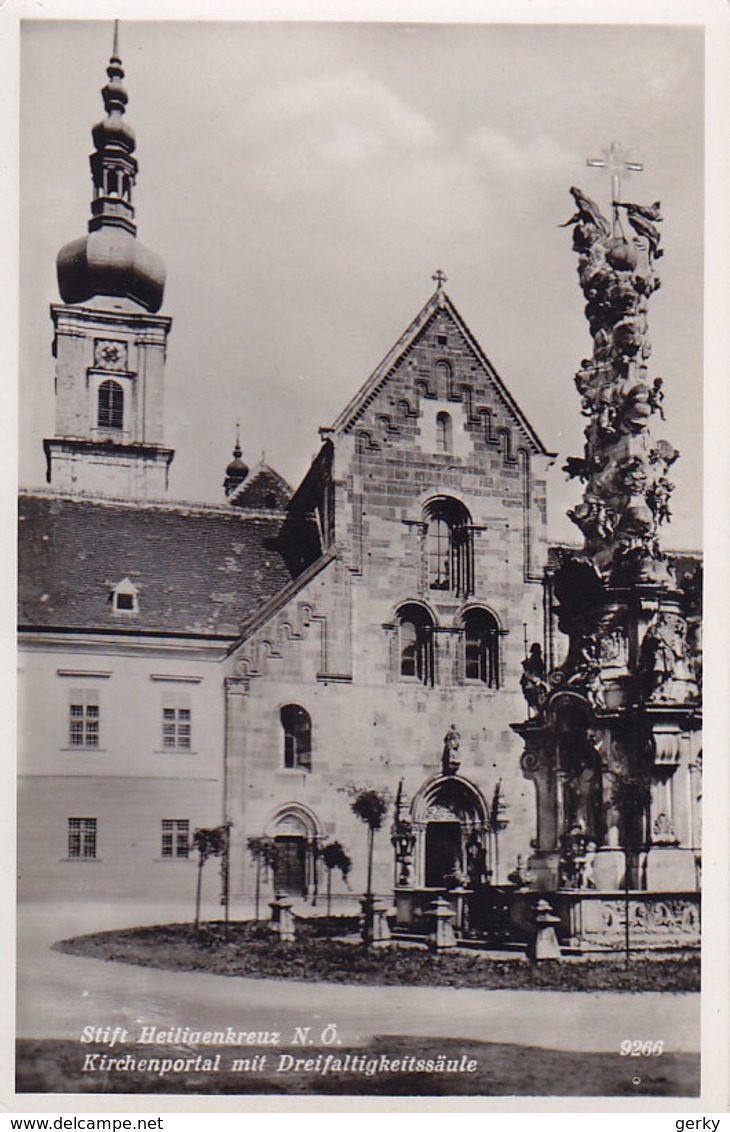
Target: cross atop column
{"x":439,"y":279}
{"x":613,"y":161}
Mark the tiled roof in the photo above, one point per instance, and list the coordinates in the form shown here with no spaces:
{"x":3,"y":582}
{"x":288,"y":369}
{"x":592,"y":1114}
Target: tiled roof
{"x":197,"y":570}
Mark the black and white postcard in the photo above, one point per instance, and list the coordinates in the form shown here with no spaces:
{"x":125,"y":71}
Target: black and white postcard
{"x":367,"y":368}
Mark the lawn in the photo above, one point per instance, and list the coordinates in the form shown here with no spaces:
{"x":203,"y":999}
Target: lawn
{"x":326,"y":950}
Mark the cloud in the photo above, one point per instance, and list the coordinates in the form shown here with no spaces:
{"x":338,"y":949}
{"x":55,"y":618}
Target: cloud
{"x":511,"y":161}
{"x":301,"y":134}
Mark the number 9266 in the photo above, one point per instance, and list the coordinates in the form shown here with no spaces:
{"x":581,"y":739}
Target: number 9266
{"x":638,"y":1048}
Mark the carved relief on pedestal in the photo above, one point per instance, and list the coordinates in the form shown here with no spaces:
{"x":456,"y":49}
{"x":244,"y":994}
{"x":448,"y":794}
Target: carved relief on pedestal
{"x":665,"y":670}
{"x":659,"y":921}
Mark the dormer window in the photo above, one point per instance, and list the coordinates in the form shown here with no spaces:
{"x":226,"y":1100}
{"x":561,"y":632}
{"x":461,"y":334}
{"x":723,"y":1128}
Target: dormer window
{"x":124,"y":597}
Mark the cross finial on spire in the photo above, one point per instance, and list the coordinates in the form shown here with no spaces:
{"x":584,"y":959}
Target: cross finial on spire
{"x":439,"y":279}
{"x":613,"y":161}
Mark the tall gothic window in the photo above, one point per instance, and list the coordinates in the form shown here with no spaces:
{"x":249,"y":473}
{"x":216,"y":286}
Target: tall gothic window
{"x":449,"y":551}
{"x":481,"y":647}
{"x":297,"y":728}
{"x":415,"y":638}
{"x":111,"y":405}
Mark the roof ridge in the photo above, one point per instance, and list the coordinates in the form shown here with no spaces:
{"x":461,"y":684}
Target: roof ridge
{"x":134,"y":504}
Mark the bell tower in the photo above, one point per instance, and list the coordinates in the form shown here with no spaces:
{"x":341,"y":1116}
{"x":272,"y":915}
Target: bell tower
{"x":109,"y":341}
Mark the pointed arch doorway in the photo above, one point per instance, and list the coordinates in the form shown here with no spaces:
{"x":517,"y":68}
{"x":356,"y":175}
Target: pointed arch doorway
{"x":295,"y":831}
{"x":450,"y":827}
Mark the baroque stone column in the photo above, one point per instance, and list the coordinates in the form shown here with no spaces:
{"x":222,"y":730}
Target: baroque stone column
{"x":611,"y":727}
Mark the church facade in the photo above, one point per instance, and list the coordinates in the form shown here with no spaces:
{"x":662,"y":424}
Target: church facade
{"x":405,"y":621}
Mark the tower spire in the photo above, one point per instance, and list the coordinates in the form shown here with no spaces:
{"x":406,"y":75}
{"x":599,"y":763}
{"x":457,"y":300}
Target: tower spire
{"x":110,"y":261}
{"x":113,"y":168}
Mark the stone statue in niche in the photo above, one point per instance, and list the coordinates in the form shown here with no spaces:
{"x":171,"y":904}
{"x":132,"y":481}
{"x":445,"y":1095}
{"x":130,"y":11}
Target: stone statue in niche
{"x":587,"y":673}
{"x":450,"y":761}
{"x":662,"y":654}
{"x":662,"y":831}
{"x":581,"y":787}
{"x":532,"y":681}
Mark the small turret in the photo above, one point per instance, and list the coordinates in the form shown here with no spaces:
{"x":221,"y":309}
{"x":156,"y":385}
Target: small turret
{"x":236,"y":471}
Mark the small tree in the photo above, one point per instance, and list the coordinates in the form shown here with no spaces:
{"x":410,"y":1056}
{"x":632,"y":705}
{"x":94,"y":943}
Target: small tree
{"x":370,"y":807}
{"x":335,"y":857}
{"x":265,"y":853}
{"x":208,"y":843}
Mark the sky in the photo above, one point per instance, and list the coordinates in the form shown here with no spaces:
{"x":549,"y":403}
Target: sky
{"x":303,"y":181}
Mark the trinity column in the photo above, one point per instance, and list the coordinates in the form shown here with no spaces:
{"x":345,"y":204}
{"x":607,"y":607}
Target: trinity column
{"x":612,"y":735}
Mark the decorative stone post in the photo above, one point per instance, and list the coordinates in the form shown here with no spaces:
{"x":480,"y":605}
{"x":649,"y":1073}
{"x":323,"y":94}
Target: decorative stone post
{"x":546,"y":942}
{"x":376,"y":929}
{"x":442,"y":936}
{"x":459,"y":895}
{"x":282,"y":917}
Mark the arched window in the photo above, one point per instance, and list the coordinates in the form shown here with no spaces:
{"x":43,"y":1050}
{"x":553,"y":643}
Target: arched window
{"x":111,"y":405}
{"x":443,"y":432}
{"x":297,"y":727}
{"x":449,"y":554}
{"x":481,"y":647}
{"x":415,"y":639}
{"x":444,"y":379}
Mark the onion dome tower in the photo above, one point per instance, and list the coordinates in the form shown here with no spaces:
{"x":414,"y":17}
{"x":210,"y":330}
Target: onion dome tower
{"x":110,"y":260}
{"x":110,"y":343}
